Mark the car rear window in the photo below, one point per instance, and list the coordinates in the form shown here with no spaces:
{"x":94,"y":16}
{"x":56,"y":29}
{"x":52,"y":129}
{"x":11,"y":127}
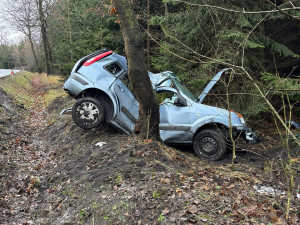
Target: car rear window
{"x":113,"y":68}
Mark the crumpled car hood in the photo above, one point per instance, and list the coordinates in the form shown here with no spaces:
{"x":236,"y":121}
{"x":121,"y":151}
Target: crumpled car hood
{"x":157,"y":78}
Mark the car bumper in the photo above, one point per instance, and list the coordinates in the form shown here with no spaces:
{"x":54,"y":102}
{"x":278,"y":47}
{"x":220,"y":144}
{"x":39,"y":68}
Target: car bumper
{"x":248,"y":134}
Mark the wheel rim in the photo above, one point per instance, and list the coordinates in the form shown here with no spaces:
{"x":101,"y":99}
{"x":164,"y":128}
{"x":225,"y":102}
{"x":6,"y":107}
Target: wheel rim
{"x":87,"y":113}
{"x":208,"y":146}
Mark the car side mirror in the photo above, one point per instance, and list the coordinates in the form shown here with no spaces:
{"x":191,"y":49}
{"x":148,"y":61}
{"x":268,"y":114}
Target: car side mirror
{"x":181,"y":102}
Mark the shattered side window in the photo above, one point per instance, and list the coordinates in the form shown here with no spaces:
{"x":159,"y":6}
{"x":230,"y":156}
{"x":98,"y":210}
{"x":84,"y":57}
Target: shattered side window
{"x":113,"y":68}
{"x":166,"y":96}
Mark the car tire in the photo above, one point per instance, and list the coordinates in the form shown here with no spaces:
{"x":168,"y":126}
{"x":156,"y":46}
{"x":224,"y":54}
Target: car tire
{"x":88,"y":112}
{"x":210,"y":144}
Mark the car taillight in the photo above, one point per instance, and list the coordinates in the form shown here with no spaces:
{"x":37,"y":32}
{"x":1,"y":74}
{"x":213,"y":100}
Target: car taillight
{"x":96,"y":58}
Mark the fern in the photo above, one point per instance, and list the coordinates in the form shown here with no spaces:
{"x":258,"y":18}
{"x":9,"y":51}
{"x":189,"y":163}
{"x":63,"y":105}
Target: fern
{"x":283,"y":84}
{"x":232,"y":34}
{"x":281,"y":49}
{"x":251,"y":44}
{"x":243,"y":22}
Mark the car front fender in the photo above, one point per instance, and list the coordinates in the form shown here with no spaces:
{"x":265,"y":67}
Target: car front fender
{"x":207,"y":120}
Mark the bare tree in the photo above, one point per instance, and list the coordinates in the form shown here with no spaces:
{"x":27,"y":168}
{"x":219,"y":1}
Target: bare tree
{"x":43,"y":7}
{"x":2,"y":39}
{"x":23,"y":16}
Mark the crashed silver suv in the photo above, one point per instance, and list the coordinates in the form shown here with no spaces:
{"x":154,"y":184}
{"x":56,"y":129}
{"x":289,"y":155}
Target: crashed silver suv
{"x":100,"y":84}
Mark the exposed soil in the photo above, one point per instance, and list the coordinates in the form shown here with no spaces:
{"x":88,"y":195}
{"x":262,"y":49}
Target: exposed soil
{"x":53,"y":172}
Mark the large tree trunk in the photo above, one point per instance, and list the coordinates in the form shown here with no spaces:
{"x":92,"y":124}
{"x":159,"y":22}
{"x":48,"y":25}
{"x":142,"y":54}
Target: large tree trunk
{"x":50,"y":55}
{"x":39,"y":69}
{"x":44,"y":34}
{"x":149,"y":114}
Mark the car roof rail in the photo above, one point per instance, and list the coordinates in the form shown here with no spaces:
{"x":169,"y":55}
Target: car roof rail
{"x":97,"y":57}
{"x":95,"y":54}
{"x":86,"y":58}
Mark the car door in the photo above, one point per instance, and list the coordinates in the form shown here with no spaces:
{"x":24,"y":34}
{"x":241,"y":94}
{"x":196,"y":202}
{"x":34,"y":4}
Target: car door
{"x":128,"y":111}
{"x":175,"y":121}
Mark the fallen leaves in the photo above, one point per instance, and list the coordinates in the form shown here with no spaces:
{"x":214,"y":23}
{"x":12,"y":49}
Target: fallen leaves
{"x":38,"y":167}
{"x":231,"y":186}
{"x":165,"y":212}
{"x":22,"y":164}
{"x":165,"y":181}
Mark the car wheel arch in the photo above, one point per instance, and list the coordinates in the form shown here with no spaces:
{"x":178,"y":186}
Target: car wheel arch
{"x":108,"y":103}
{"x":211,"y":125}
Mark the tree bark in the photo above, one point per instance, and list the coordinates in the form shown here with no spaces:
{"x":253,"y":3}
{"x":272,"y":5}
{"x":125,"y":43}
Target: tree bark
{"x":148,"y":38}
{"x":50,"y":55}
{"x":33,"y":50}
{"x":149,"y":113}
{"x":44,"y":33}
{"x":166,"y":9}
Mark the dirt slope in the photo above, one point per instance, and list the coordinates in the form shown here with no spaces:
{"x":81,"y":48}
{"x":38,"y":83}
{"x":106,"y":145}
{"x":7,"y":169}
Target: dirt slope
{"x":53,"y":172}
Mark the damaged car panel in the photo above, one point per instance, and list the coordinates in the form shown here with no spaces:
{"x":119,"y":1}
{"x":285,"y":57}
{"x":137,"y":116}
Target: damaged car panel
{"x":128,"y":111}
{"x":210,"y":85}
{"x":102,"y":77}
{"x":191,"y":116}
{"x":99,"y":83}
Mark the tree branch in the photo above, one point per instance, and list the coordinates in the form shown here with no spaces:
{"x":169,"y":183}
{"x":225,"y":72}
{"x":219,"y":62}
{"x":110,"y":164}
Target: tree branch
{"x":282,"y":11}
{"x":240,"y":11}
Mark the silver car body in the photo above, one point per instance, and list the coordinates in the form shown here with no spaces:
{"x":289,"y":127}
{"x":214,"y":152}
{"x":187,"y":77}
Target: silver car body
{"x":178,"y":124}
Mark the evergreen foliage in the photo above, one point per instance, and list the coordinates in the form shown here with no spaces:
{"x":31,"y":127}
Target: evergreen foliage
{"x":6,"y":57}
{"x":226,"y":36}
{"x":276,"y":82}
{"x":78,"y":28}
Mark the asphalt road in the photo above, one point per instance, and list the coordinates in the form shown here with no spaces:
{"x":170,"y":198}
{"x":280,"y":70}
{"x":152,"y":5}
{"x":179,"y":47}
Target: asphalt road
{"x":4,"y":72}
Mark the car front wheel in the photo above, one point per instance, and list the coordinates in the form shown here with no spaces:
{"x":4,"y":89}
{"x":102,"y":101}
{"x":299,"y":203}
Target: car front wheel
{"x":210,"y":144}
{"x":88,"y":112}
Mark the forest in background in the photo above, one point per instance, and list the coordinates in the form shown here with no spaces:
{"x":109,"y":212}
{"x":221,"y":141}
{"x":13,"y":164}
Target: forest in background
{"x":192,"y":38}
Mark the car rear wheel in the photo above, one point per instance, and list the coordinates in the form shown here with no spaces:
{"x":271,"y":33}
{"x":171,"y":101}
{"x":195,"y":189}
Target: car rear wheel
{"x":210,"y":144}
{"x":88,"y":112}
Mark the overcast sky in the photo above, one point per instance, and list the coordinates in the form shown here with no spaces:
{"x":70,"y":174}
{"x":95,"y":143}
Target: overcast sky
{"x":11,"y":34}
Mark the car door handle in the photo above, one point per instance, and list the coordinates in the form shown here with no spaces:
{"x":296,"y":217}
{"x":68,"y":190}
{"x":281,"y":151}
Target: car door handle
{"x":120,"y":87}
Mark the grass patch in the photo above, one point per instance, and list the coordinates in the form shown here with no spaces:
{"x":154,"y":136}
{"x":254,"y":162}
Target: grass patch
{"x":19,"y":88}
{"x":53,"y":86}
{"x":52,"y":94}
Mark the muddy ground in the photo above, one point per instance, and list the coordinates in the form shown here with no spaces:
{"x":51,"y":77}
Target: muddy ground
{"x":53,"y":172}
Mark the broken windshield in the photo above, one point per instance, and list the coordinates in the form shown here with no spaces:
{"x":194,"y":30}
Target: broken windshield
{"x":182,"y":88}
